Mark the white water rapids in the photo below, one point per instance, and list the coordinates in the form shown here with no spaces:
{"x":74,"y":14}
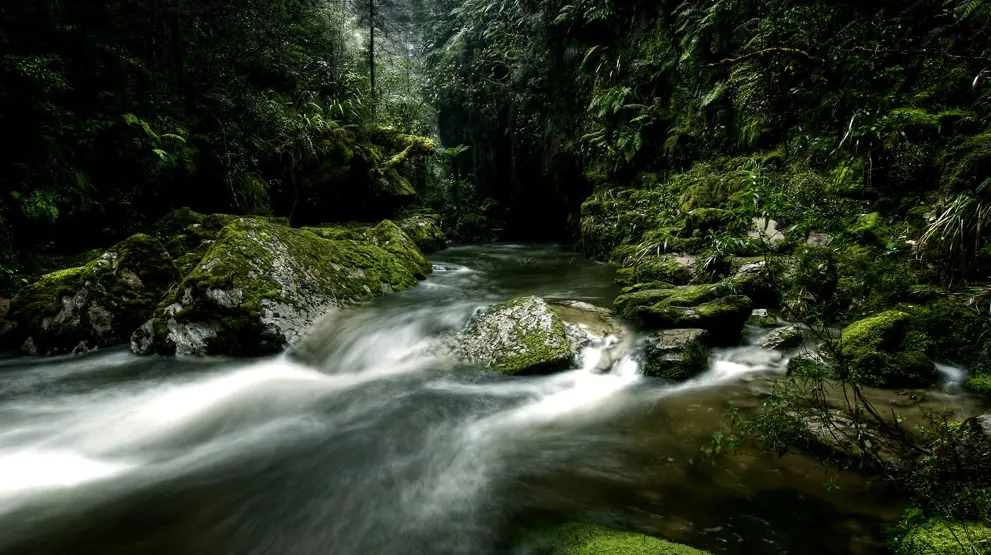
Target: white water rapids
{"x":367,"y":442}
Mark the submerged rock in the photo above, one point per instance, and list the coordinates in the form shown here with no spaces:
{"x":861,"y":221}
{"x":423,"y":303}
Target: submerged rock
{"x":424,"y":230}
{"x":520,"y":336}
{"x":591,"y":539}
{"x":260,"y":285}
{"x":95,"y":305}
{"x":881,"y":351}
{"x":676,"y":354}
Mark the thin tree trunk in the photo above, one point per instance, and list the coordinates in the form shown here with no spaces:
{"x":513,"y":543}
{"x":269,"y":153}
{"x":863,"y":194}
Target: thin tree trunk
{"x":371,"y":52}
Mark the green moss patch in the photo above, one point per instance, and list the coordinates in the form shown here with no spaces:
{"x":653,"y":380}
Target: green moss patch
{"x":590,"y":539}
{"x":882,"y":351}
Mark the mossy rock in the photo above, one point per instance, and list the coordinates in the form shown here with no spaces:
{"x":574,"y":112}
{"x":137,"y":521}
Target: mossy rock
{"x":624,"y":276}
{"x":762,"y":319}
{"x":187,"y":234}
{"x":519,"y":336}
{"x":939,"y":537}
{"x":784,"y":339}
{"x":677,"y":270}
{"x":636,"y":288}
{"x":260,"y":285}
{"x":756,"y":280}
{"x":590,"y":539}
{"x":881,"y":351}
{"x":424,"y":230}
{"x":714,"y":307}
{"x":980,"y":384}
{"x":701,"y":221}
{"x":94,"y":305}
{"x":676,"y":355}
{"x":848,"y":179}
{"x":869,"y":229}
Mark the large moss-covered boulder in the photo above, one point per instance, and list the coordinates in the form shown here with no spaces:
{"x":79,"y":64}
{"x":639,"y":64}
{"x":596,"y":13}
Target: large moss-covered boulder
{"x":714,"y":308}
{"x":676,"y":354}
{"x":425,"y":231}
{"x":260,"y":285}
{"x":95,"y":305}
{"x":520,"y":336}
{"x":591,"y":539}
{"x":883,"y":351}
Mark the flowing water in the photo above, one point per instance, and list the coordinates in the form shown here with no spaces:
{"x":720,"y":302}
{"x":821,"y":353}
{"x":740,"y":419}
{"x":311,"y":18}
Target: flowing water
{"x":370,"y":439}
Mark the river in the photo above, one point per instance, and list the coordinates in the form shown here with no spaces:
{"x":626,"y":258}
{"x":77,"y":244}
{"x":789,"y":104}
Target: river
{"x":369,"y":439}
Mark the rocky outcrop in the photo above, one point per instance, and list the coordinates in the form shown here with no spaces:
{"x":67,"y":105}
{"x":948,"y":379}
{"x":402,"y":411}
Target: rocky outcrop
{"x":95,"y":305}
{"x":714,"y":308}
{"x":259,"y":285}
{"x":676,"y":354}
{"x":520,"y":336}
{"x":425,"y":231}
{"x":5,"y":325}
{"x":882,"y":351}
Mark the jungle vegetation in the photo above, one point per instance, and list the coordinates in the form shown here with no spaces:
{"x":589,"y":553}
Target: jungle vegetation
{"x":862,"y":128}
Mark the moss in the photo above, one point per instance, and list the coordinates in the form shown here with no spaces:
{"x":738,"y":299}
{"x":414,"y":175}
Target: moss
{"x":869,"y":229}
{"x":848,"y":179}
{"x":676,"y":354}
{"x":424,"y":230}
{"x":638,"y":287}
{"x":629,"y":305}
{"x":701,"y":221}
{"x":624,"y":276}
{"x":766,"y":321}
{"x":589,"y":539}
{"x":667,"y":268}
{"x":519,"y":336}
{"x":882,"y":351}
{"x":254,"y":262}
{"x":938,"y":537}
{"x":980,"y":384}
{"x":967,"y":166}
{"x":723,"y":318}
{"x":99,"y":303}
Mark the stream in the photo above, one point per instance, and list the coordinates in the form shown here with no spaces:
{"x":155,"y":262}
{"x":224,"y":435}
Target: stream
{"x":369,"y":439}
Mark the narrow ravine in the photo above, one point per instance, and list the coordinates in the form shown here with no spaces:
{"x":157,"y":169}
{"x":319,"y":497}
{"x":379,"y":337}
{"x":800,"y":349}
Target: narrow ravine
{"x":369,"y":438}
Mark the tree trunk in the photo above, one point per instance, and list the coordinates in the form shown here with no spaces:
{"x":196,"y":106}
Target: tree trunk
{"x":371,"y":52}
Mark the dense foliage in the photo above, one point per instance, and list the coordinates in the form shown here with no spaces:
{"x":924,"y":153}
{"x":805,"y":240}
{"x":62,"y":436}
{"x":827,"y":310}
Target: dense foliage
{"x":116,"y":112}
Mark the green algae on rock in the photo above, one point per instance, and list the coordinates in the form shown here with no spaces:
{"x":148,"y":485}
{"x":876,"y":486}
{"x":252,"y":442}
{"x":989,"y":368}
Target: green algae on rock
{"x":520,"y":336}
{"x":882,"y":351}
{"x":591,"y":539}
{"x":95,"y":305}
{"x":260,"y":285}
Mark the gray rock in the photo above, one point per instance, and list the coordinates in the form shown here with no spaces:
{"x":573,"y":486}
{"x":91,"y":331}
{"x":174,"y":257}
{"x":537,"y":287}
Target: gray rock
{"x":766,"y":230}
{"x":783,"y":339}
{"x":520,"y":336}
{"x":676,"y":354}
